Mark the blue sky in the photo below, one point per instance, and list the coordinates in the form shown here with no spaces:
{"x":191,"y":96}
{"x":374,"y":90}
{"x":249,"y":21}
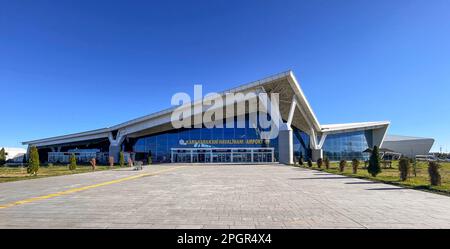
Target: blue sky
{"x":71,"y":66}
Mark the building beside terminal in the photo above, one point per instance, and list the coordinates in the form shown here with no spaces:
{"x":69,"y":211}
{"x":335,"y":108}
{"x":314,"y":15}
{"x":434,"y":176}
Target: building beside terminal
{"x":408,"y":146}
{"x":300,"y":134}
{"x":14,"y":155}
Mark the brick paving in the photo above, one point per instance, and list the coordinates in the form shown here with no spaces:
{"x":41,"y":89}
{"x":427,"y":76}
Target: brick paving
{"x":220,"y":196}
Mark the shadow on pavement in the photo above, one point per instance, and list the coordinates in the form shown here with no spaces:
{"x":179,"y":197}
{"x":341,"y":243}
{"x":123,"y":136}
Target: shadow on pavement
{"x":320,"y":178}
{"x":362,"y":183}
{"x":385,"y":189}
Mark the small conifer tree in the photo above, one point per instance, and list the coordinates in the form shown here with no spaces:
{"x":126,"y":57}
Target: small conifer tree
{"x":319,"y":163}
{"x":93,"y":163}
{"x":342,"y":165}
{"x":355,"y":165}
{"x":73,"y":162}
{"x":433,"y":171}
{"x":2,"y":156}
{"x":374,"y":167}
{"x":404,"y":167}
{"x":33,"y":163}
{"x":327,"y":163}
{"x":121,"y":159}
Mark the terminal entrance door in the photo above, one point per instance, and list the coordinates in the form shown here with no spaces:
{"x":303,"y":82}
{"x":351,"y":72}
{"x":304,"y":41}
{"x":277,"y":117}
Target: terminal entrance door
{"x":201,"y":156}
{"x":222,"y":155}
{"x":181,"y":156}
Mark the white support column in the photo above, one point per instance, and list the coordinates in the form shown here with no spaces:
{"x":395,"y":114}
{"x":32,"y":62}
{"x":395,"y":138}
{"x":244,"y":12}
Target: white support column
{"x":285,"y":145}
{"x":313,"y":139}
{"x":115,"y":145}
{"x":316,"y":147}
{"x":322,"y":140}
{"x":292,"y":110}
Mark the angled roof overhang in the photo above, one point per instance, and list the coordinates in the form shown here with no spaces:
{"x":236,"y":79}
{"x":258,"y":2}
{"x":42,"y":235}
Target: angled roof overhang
{"x":349,"y":127}
{"x":283,"y":83}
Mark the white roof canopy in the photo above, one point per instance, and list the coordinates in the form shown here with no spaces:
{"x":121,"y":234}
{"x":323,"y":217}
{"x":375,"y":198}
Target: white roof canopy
{"x":283,"y":83}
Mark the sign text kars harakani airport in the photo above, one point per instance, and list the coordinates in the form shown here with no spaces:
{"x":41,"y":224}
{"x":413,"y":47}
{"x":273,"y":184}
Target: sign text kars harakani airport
{"x":208,"y":111}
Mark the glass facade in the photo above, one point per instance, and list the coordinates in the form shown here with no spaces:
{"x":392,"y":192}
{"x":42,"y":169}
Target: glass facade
{"x":235,"y":145}
{"x":301,"y":145}
{"x":347,"y":146}
{"x":160,"y":146}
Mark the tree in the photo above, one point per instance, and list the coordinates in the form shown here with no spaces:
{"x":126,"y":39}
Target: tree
{"x":374,"y":167}
{"x":73,"y":162}
{"x":342,"y":165}
{"x":111,"y":161}
{"x":319,"y":163}
{"x":414,"y":167}
{"x":404,"y":167}
{"x":33,"y":162}
{"x":121,"y":159}
{"x":2,"y":157}
{"x":355,"y":165}
{"x":93,"y":163}
{"x":327,"y":162}
{"x":433,"y":171}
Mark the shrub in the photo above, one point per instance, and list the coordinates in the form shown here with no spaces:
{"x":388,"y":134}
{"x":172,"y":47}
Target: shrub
{"x":300,"y":160}
{"x":404,"y":167}
{"x":319,"y":163}
{"x":342,"y":165}
{"x":93,"y":163}
{"x":309,"y":163}
{"x":414,"y":167}
{"x":374,"y":162}
{"x":433,"y":171}
{"x":327,"y":163}
{"x":73,"y":162}
{"x":111,"y":161}
{"x":121,"y":159}
{"x":33,"y":163}
{"x":355,"y":165}
{"x":2,"y":157}
{"x":149,"y":159}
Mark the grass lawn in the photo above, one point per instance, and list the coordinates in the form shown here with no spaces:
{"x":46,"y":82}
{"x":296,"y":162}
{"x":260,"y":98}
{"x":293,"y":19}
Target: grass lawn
{"x":8,"y":174}
{"x":391,"y":175}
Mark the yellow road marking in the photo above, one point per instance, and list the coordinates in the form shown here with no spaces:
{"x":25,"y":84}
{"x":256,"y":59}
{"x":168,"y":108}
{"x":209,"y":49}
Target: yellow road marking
{"x":75,"y":190}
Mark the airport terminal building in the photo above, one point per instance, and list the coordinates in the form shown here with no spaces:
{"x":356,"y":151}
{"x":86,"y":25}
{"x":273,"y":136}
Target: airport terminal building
{"x":300,"y":134}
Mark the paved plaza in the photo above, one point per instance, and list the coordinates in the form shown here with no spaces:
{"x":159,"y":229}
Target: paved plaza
{"x":216,"y":196}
